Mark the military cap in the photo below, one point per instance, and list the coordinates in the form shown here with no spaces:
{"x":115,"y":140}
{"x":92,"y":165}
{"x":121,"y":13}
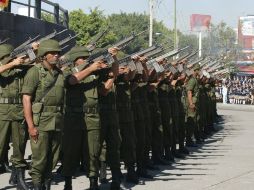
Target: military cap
{"x":48,"y":46}
{"x":5,"y":49}
{"x":77,"y":52}
{"x":196,"y":67}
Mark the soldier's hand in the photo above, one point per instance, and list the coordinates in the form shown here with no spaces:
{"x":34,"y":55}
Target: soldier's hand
{"x":35,"y":45}
{"x":96,"y":66}
{"x":18,"y":60}
{"x":192,"y":107}
{"x":33,"y":132}
{"x":113,"y":51}
{"x":143,"y":59}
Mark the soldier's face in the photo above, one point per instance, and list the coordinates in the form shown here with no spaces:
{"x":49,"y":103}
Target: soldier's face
{"x":80,"y":61}
{"x":52,"y":57}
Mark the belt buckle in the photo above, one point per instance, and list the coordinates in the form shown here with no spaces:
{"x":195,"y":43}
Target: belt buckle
{"x":6,"y":100}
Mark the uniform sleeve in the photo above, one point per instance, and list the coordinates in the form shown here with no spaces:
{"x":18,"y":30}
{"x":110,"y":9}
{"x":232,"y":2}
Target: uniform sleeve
{"x":31,"y":81}
{"x":190,"y":85}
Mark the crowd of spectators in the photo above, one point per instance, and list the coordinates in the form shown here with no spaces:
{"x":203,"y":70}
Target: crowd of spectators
{"x":237,"y":90}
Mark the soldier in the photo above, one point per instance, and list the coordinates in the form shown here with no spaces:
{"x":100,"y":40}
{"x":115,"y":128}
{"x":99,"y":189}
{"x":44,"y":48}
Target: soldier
{"x":74,"y":123}
{"x":126,"y":122}
{"x":11,"y":111}
{"x":137,"y":85}
{"x":110,"y":121}
{"x":181,"y":95}
{"x":43,"y":99}
{"x":192,"y":104}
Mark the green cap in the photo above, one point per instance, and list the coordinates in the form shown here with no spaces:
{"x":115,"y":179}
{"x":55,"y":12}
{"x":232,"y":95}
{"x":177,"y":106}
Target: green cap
{"x":48,"y":46}
{"x":196,"y":67}
{"x":5,"y":49}
{"x":77,"y":52}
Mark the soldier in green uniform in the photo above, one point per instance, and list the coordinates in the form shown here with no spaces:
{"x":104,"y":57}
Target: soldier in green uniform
{"x":166,"y":113}
{"x":192,"y":88}
{"x":110,"y":121}
{"x":181,"y":95}
{"x":74,"y":123}
{"x":137,"y":86}
{"x":156,"y":117}
{"x":126,"y":122}
{"x":11,"y":112}
{"x":43,"y":99}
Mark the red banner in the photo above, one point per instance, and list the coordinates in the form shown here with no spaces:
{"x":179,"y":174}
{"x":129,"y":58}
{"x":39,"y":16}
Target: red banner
{"x":200,"y":22}
{"x":4,"y":3}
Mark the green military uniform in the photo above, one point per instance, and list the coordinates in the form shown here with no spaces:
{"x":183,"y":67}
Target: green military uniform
{"x":192,"y":86}
{"x":156,"y":125}
{"x":74,"y":122}
{"x":47,"y":114}
{"x":11,"y":111}
{"x":111,"y":131}
{"x":93,"y":125}
{"x":139,"y":122}
{"x":126,"y":122}
{"x":166,"y":113}
{"x":182,"y":105}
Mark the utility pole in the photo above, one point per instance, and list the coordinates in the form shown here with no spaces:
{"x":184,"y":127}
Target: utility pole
{"x":175,"y":28}
{"x":151,"y":5}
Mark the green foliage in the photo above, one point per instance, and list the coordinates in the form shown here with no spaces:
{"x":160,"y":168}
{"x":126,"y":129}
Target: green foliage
{"x":88,"y":25}
{"x":47,"y":17}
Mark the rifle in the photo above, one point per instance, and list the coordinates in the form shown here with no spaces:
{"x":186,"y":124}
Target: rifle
{"x":221,"y":72}
{"x":104,"y":55}
{"x":27,"y":49}
{"x":92,"y":44}
{"x":128,"y":59}
{"x":216,"y":66}
{"x":153,"y":63}
{"x":4,"y":41}
{"x":66,"y":40}
{"x":159,"y":68}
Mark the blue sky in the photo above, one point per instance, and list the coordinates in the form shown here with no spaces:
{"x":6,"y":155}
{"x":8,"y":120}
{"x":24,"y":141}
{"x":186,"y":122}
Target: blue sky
{"x":226,"y":10}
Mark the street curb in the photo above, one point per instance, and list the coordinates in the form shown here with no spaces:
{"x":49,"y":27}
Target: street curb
{"x":235,"y":107}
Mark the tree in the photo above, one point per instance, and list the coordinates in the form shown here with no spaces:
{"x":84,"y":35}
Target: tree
{"x":88,"y":25}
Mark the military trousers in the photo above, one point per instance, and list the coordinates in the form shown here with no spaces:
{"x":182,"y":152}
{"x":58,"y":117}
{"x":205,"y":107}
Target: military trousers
{"x":128,"y":136}
{"x":157,"y":132}
{"x":17,"y":130}
{"x":110,"y":133}
{"x":72,"y":143}
{"x":45,"y":155}
{"x":167,"y":127}
{"x":93,"y":143}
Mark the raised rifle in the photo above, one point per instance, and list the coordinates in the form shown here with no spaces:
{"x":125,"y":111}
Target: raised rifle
{"x":104,"y":55}
{"x":4,"y":41}
{"x":92,"y":44}
{"x":66,"y":40}
{"x":159,"y":68}
{"x":27,"y":49}
{"x":128,"y":59}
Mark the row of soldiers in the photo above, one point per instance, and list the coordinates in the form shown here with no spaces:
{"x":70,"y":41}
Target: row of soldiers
{"x":104,"y":113}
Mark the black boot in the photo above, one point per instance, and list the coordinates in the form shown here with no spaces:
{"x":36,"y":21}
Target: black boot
{"x":8,"y":168}
{"x":21,"y":184}
{"x":13,"y":178}
{"x":68,"y":183}
{"x":37,"y":187}
{"x":93,"y":183}
{"x":47,"y":184}
{"x":141,"y":172}
{"x":116,"y":180}
{"x":103,"y":173}
{"x":131,"y":176}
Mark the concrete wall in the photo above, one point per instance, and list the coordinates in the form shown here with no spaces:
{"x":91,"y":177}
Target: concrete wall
{"x":19,"y":28}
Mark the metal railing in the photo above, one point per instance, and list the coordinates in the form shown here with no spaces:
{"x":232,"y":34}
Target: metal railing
{"x":59,"y":14}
